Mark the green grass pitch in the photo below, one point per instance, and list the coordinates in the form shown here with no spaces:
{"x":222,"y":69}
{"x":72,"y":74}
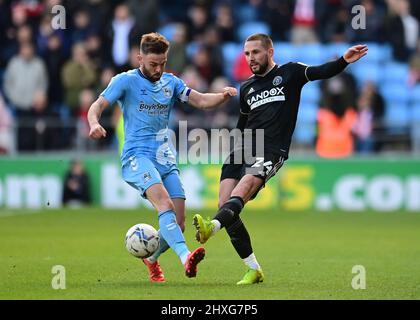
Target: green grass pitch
{"x":304,"y":255}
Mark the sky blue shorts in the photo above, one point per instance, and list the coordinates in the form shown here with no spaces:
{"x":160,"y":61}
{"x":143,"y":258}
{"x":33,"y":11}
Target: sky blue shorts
{"x":142,"y":172}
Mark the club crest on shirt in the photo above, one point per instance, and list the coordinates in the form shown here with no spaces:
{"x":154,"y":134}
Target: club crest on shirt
{"x":146,"y":177}
{"x":277,"y":80}
{"x":167,"y":92}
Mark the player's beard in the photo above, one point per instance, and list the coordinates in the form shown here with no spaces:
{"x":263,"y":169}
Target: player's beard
{"x":152,"y":77}
{"x":262,"y":67}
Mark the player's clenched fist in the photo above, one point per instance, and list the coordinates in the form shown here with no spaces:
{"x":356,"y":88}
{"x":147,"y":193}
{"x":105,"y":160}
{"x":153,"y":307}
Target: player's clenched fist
{"x":229,"y":92}
{"x":97,"y":131}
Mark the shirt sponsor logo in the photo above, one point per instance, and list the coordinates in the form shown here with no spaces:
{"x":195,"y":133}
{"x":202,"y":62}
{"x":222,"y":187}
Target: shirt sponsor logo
{"x":151,"y":107}
{"x":267,"y":96}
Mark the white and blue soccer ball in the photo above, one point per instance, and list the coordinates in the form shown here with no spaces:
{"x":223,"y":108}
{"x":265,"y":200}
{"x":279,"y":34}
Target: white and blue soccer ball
{"x":142,"y":240}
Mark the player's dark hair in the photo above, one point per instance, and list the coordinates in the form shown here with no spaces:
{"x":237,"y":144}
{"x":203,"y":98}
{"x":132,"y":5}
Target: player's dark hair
{"x":153,"y":43}
{"x":264,"y":38}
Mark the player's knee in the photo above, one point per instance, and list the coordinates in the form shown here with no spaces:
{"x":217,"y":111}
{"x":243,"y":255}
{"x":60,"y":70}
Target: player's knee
{"x":165,"y":204}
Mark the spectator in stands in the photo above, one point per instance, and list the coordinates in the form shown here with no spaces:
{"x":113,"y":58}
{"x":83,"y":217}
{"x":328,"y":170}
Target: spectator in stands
{"x":39,"y":128}
{"x":146,"y":14}
{"x":335,"y":138}
{"x":225,"y":22}
{"x":369,"y":125}
{"x":81,"y":26}
{"x":197,"y":21}
{"x":304,"y":22}
{"x":401,"y":30}
{"x":55,"y":58}
{"x":241,"y":70}
{"x":336,"y":117}
{"x":77,"y":74}
{"x":202,"y":62}
{"x":25,"y":74}
{"x":123,"y":32}
{"x":6,"y":128}
{"x":76,"y":189}
{"x":212,"y":42}
{"x":278,"y":14}
{"x":94,"y":50}
{"x":177,"y":55}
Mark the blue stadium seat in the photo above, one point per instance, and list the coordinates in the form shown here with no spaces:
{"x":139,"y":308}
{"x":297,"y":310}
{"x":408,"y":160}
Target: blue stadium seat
{"x":415,"y":113}
{"x":311,"y":54}
{"x":245,"y":13}
{"x":394,"y":93}
{"x":168,"y":31}
{"x":394,"y":72}
{"x":248,"y":28}
{"x":192,"y":49}
{"x":305,"y":131}
{"x":231,"y":51}
{"x":375,"y":53}
{"x":397,"y":115}
{"x":311,"y":93}
{"x":415,"y":94}
{"x":285,"y":52}
{"x":366,"y":72}
{"x":335,"y":50}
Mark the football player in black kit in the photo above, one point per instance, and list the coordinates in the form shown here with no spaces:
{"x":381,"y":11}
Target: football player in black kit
{"x":269,"y":100}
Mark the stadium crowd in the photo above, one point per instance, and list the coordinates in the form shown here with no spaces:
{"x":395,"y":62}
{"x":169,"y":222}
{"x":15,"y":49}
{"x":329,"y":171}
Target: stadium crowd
{"x":49,"y":77}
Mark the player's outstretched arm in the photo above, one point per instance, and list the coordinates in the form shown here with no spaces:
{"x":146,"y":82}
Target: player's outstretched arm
{"x":93,"y":116}
{"x":210,"y":100}
{"x":332,"y":68}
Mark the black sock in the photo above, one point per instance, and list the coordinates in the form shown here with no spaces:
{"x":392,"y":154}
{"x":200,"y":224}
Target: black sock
{"x":228,"y":213}
{"x":240,"y":239}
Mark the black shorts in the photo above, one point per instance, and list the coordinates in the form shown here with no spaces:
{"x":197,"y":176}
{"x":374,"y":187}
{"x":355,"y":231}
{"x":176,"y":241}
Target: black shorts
{"x":262,"y":167}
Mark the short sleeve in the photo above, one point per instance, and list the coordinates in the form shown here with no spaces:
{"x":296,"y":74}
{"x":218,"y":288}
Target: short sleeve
{"x":181,"y":91}
{"x":115,"y":90}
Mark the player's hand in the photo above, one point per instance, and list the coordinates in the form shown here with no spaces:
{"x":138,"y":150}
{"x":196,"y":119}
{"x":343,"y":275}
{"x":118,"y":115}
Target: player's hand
{"x":355,"y":53}
{"x":97,"y":131}
{"x":229,"y":92}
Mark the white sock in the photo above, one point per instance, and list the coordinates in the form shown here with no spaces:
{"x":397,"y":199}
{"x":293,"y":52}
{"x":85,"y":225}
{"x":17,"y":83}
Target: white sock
{"x":252,"y":262}
{"x":184,"y":257}
{"x":217,"y":226}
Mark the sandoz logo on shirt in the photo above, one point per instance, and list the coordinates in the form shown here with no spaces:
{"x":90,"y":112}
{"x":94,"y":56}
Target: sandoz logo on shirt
{"x":267,"y":96}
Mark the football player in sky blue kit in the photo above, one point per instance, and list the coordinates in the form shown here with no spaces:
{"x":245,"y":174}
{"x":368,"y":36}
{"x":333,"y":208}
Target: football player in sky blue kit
{"x":146,"y":96}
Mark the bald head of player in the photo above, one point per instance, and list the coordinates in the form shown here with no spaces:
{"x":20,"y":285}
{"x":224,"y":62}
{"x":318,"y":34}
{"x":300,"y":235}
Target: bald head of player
{"x":153,"y":55}
{"x":258,"y":50}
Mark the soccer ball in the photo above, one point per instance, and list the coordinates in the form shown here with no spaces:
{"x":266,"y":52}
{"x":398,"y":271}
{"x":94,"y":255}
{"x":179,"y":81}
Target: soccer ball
{"x":142,"y":240}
